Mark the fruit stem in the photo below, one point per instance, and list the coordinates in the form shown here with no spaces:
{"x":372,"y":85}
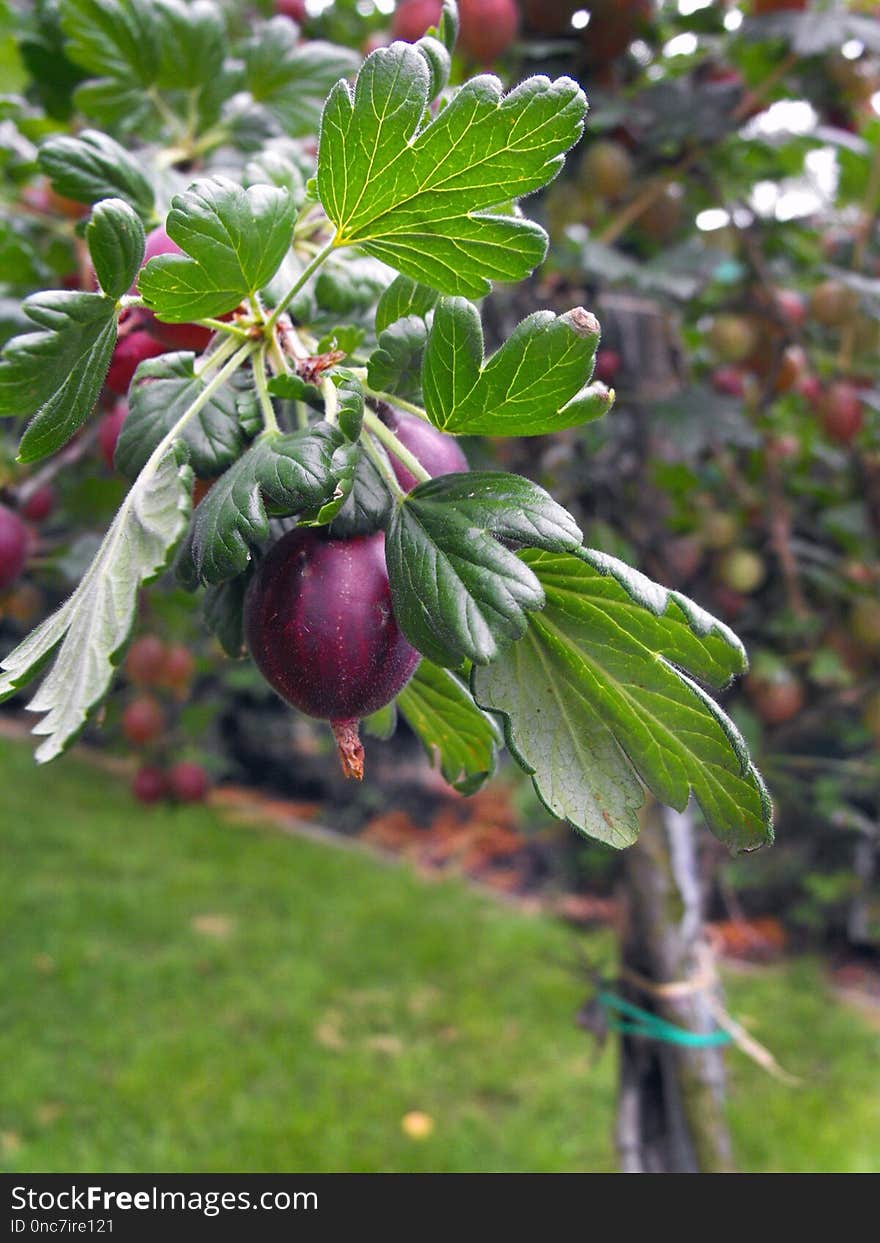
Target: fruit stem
{"x":351,"y":749}
{"x":331,"y":401}
{"x":276,"y":357}
{"x":219,"y":325}
{"x":392,"y":400}
{"x":393,"y":445}
{"x":209,"y":362}
{"x":383,"y":466}
{"x":270,"y":422}
{"x":216,"y":382}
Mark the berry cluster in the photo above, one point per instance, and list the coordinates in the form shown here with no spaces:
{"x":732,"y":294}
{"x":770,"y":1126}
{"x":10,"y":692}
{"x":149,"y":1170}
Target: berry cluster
{"x":161,"y":676}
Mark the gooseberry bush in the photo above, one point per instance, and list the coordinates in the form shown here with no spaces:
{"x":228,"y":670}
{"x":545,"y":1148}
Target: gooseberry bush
{"x":294,"y":328}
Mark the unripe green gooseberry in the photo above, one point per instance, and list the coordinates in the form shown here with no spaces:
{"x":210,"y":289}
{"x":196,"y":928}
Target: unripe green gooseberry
{"x":606,"y":169}
{"x":731,"y":337}
{"x":742,"y":570}
{"x":718,"y":530}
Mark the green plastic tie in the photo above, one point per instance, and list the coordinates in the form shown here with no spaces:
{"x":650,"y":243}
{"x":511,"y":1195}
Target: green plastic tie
{"x":652,"y":1027}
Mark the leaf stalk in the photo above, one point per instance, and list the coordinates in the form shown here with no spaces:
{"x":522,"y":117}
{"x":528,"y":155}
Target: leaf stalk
{"x":393,"y":445}
{"x":305,"y":275}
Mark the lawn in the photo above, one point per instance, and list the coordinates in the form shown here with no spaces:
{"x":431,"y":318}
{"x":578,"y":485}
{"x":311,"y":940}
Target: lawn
{"x":181,"y":994}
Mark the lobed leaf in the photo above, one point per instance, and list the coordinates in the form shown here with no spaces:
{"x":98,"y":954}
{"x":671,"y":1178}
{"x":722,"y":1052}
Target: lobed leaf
{"x":418,"y":193}
{"x":350,"y":398}
{"x":367,"y":506}
{"x":455,"y":732}
{"x":139,"y":47}
{"x":57,"y":373}
{"x":594,"y":697}
{"x":234,"y":241}
{"x":91,"y":166}
{"x":223,"y":610}
{"x":292,"y":472}
{"x":291,"y":387}
{"x":395,"y":365}
{"x":458,"y":593}
{"x":343,"y":466}
{"x":404,"y":297}
{"x":349,"y":283}
{"x":192,"y":44}
{"x":534,"y":384}
{"x":118,"y":105}
{"x":92,"y":628}
{"x":114,"y":38}
{"x":163,"y":389}
{"x":292,"y":77}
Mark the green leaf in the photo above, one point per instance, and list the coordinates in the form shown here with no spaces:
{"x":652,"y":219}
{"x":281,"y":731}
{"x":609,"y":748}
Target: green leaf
{"x":192,"y":41}
{"x":418,"y":192}
{"x":594,"y":698}
{"x":278,"y":166}
{"x":292,"y":78}
{"x":57,"y":372}
{"x":344,"y":337}
{"x":404,"y":297}
{"x":291,"y":387}
{"x":224,"y":614}
{"x":367,"y":506}
{"x":293,"y":471}
{"x":114,"y":104}
{"x":535,"y":383}
{"x":382,"y":723}
{"x":139,"y":47}
{"x":116,"y":239}
{"x":395,"y":366}
{"x":53,"y":75}
{"x":163,"y":389}
{"x":234,"y":241}
{"x":353,"y":284}
{"x":447,"y":28}
{"x":350,"y":395}
{"x":343,"y":465}
{"x":441,"y":712}
{"x":458,"y":593}
{"x":247,"y":403}
{"x":114,"y":38}
{"x":91,"y":166}
{"x":439,"y":62}
{"x":249,"y":127}
{"x":93,"y":626}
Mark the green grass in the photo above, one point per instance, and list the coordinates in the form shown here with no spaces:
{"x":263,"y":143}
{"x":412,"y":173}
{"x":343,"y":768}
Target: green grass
{"x":325,"y":997}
